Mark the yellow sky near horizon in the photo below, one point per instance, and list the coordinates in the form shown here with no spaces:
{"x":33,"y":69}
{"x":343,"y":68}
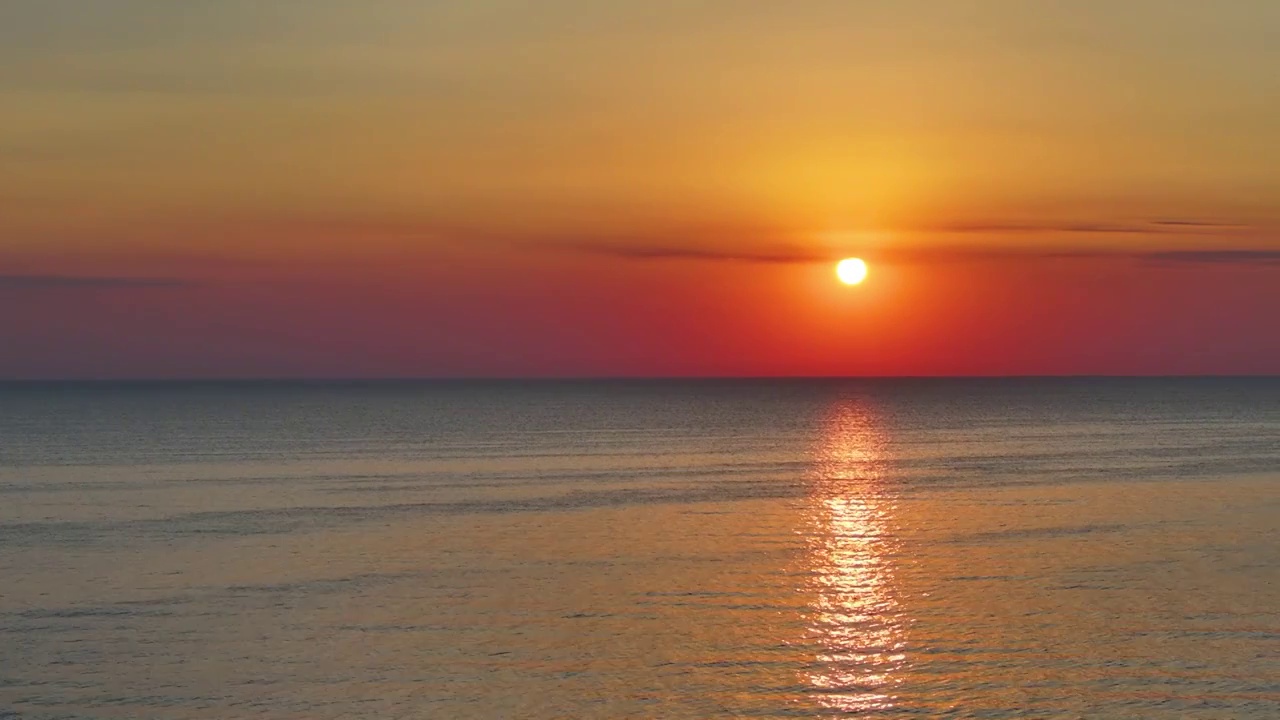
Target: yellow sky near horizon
{"x":140,"y":126}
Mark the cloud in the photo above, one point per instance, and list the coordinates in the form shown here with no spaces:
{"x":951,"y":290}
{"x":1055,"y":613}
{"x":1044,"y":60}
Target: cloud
{"x":42,"y":282}
{"x":998,"y":227}
{"x":644,"y":251}
{"x":1243,"y":257}
{"x":1167,"y":226}
{"x":1248,"y":257}
{"x":920,"y":255}
{"x":1207,"y":224}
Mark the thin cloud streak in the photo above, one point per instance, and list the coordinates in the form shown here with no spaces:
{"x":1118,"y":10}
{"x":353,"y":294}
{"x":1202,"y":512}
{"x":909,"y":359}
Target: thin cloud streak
{"x":667,"y":252}
{"x":1169,"y":226}
{"x":1207,"y":224}
{"x":1260,"y":257}
{"x":43,"y":282}
{"x":672,"y":252}
{"x":690,"y":248}
{"x":1000,"y":228}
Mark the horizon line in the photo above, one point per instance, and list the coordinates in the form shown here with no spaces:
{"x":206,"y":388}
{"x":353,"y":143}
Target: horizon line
{"x":626,"y":378}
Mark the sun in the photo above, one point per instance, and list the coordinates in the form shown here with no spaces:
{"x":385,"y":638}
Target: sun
{"x":851,"y":271}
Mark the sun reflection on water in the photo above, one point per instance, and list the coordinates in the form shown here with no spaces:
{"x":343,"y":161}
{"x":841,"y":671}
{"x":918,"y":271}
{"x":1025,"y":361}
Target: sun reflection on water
{"x":856,"y":619}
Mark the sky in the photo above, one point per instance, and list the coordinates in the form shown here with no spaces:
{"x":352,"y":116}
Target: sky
{"x":398,"y":188}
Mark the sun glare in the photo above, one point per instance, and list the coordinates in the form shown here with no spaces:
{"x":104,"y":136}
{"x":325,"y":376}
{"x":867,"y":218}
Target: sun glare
{"x":851,"y":271}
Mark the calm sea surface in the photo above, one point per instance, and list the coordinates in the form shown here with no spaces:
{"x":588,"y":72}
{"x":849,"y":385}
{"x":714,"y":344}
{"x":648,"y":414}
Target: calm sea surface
{"x":965,"y":548}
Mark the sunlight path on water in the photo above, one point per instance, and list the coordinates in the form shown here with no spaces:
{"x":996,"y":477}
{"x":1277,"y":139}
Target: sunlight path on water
{"x":856,"y":618}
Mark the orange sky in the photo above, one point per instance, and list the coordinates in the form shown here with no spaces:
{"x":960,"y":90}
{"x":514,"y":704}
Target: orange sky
{"x":333,"y":188}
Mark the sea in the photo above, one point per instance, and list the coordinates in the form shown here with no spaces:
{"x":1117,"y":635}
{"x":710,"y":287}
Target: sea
{"x":888,"y":548}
